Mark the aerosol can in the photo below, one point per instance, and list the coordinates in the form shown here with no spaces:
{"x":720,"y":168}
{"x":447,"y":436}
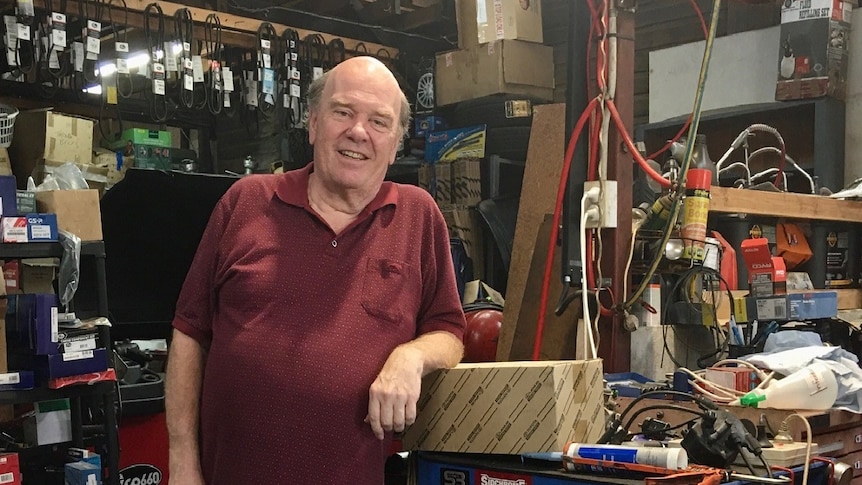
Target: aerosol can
{"x":696,"y":203}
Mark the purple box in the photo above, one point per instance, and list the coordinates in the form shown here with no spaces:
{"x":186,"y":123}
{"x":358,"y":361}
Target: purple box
{"x":77,"y":363}
{"x":8,"y":196}
{"x":45,"y":325}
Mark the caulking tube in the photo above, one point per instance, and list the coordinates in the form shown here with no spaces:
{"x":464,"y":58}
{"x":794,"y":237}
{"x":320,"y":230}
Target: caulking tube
{"x":672,"y":458}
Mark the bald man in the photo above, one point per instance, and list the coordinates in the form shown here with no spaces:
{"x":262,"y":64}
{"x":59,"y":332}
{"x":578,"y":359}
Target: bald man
{"x":316,"y":301}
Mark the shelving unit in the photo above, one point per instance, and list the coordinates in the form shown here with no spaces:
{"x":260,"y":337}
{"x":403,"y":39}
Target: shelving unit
{"x":106,"y":390}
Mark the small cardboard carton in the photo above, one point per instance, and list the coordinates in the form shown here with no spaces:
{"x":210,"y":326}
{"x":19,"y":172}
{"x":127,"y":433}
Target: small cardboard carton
{"x":482,"y":21}
{"x":500,"y":67}
{"x":509,"y":407}
{"x":77,"y":211}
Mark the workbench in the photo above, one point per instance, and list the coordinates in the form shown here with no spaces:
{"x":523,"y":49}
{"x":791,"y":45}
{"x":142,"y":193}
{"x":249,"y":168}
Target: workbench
{"x":465,"y":469}
{"x":838,"y":433}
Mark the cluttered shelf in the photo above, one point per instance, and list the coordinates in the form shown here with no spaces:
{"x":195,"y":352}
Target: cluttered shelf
{"x":783,"y":204}
{"x":46,"y":394}
{"x":47,"y":250}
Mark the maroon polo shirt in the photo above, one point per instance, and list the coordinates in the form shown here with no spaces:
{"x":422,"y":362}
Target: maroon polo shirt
{"x":299,"y":321}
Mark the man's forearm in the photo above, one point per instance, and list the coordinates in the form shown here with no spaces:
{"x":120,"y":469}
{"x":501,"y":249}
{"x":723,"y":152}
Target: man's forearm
{"x":183,"y":394}
{"x":438,"y":350}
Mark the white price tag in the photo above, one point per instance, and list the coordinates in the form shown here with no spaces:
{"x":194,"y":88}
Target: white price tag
{"x":53,"y":60}
{"x":121,"y":47}
{"x":122,"y":66}
{"x":55,"y":322}
{"x":295,"y":90}
{"x":188,"y":83}
{"x":285,"y":101}
{"x":23,"y":32}
{"x":267,"y":61}
{"x":227,"y":100}
{"x":78,"y":56}
{"x":93,"y":45}
{"x":171,"y":63}
{"x":58,"y":38}
{"x":265,"y":43}
{"x":295,"y":74}
{"x":251,"y":96}
{"x":58,"y":18}
{"x":197,"y":69}
{"x":187,"y":47}
{"x":227,"y":76}
{"x":317,"y":73}
{"x":159,"y":87}
{"x":94,"y":26}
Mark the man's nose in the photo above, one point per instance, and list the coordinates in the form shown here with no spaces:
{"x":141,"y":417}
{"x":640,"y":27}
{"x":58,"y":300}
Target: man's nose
{"x":358,"y":131}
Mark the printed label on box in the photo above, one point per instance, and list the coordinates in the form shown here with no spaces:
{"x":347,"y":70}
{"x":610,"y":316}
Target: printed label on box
{"x":772,"y":309}
{"x":7,"y":477}
{"x":86,"y":354}
{"x":80,"y":344}
{"x":10,"y":378}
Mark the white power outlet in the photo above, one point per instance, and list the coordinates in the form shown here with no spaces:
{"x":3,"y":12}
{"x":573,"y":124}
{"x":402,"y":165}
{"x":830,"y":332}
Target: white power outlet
{"x":607,"y":203}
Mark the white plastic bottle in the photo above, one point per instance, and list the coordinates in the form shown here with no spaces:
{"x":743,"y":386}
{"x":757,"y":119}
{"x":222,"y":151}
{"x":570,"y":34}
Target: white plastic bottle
{"x":812,"y":387}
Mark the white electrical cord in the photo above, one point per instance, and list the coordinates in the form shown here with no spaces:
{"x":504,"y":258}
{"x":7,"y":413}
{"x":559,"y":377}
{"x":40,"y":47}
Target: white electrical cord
{"x":590,"y":347}
{"x":789,"y":160}
{"x":808,"y":441}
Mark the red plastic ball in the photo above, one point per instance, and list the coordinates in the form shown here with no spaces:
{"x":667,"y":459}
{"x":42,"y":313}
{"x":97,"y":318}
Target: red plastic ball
{"x":481,"y":335}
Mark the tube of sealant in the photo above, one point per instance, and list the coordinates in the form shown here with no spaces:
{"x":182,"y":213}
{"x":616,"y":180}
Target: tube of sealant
{"x":672,"y":458}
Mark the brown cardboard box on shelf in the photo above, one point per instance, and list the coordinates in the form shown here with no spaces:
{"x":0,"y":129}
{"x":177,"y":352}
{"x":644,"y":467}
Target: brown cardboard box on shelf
{"x":509,"y":407}
{"x":813,"y":54}
{"x":453,"y":183}
{"x":501,"y":67}
{"x":37,"y":275}
{"x":463,"y":223}
{"x":5,"y":162}
{"x":77,"y":211}
{"x":482,"y":21}
{"x":45,"y":135}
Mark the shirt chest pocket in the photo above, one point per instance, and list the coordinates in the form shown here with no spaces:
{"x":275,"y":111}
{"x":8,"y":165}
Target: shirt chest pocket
{"x":391,"y":290}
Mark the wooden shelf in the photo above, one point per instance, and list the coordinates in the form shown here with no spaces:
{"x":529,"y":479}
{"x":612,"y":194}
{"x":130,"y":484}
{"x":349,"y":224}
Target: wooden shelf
{"x":796,"y":206}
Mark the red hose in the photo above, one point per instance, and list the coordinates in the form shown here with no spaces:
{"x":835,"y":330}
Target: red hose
{"x":615,"y":115}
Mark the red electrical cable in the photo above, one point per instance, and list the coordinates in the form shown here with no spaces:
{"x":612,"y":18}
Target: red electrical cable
{"x":552,"y":243}
{"x":615,"y":115}
{"x":687,"y":121}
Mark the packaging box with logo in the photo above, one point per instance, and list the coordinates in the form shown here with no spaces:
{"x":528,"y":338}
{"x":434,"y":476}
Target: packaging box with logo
{"x":10,"y":469}
{"x":813,"y":54}
{"x":30,"y":228}
{"x":481,"y":21}
{"x":793,"y":306}
{"x":45,"y":135}
{"x":463,"y":223}
{"x":450,"y":145}
{"x":500,"y":67}
{"x":509,"y":407}
{"x":77,"y":211}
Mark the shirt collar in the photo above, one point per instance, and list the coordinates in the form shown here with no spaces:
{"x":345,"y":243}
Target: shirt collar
{"x":293,"y":189}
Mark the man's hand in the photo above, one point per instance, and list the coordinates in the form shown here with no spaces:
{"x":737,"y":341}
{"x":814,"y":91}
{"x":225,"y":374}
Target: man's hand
{"x":393,"y":395}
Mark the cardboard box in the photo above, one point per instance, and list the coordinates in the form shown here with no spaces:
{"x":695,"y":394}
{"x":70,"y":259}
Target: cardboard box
{"x":30,"y":228}
{"x":8,"y":197}
{"x":453,"y":183}
{"x":482,"y":21}
{"x":82,"y":473}
{"x":143,"y":136}
{"x":37,"y":275}
{"x":509,"y":407}
{"x":758,"y":259}
{"x":26,"y":201}
{"x":45,"y":135}
{"x":793,"y":306}
{"x":813,"y":55}
{"x":450,"y":145}
{"x":5,"y":162}
{"x":464,"y":223}
{"x":502,"y":67}
{"x":77,"y":211}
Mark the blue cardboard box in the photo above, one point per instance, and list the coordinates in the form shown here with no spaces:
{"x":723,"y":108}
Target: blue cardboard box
{"x":8,"y":196}
{"x":77,"y":363}
{"x":449,"y":145}
{"x":424,"y":124}
{"x":35,"y":326}
{"x":82,"y":473}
